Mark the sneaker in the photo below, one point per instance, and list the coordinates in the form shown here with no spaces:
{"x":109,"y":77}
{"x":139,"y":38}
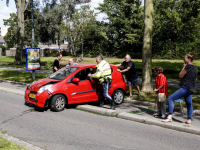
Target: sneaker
{"x":163,"y":116}
{"x":139,"y":94}
{"x":157,"y":114}
{"x":130,"y":96}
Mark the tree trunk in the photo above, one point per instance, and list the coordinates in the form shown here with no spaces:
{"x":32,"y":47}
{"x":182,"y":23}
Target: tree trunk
{"x":21,"y":7}
{"x":147,"y":47}
{"x":20,"y":37}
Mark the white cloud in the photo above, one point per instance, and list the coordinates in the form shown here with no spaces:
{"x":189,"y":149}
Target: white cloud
{"x":5,"y":11}
{"x":4,"y":14}
{"x":94,"y":4}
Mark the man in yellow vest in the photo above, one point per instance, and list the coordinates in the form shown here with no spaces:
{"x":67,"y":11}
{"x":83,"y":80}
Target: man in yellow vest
{"x":103,"y":73}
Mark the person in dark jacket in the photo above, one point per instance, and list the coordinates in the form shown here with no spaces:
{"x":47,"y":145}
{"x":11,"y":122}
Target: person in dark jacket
{"x":56,"y":64}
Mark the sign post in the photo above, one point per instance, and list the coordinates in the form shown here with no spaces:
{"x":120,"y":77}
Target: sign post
{"x":33,"y":60}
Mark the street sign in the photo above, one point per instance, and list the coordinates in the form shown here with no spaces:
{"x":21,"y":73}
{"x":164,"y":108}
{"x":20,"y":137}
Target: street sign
{"x":32,"y":59}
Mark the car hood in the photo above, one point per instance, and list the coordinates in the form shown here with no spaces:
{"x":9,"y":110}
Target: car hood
{"x":37,"y":84}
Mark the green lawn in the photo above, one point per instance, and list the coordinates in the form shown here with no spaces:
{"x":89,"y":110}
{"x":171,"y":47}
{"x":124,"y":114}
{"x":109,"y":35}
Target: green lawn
{"x":171,"y":67}
{"x":20,"y":76}
{"x":7,"y":145}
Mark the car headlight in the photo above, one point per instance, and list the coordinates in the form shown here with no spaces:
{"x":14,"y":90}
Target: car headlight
{"x":46,"y":87}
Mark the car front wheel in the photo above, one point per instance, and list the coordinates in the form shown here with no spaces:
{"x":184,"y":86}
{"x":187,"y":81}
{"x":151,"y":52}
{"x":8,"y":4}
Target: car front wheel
{"x":118,"y":96}
{"x":58,"y":103}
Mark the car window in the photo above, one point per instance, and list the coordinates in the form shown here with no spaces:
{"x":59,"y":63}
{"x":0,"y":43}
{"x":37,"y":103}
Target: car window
{"x":83,"y":74}
{"x":62,"y":73}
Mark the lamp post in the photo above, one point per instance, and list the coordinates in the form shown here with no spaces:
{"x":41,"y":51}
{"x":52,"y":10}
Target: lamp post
{"x":32,"y":28}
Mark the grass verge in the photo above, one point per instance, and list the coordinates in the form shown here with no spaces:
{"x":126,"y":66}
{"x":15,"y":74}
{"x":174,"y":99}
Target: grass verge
{"x":171,"y":67}
{"x":20,"y":76}
{"x":136,"y":112}
{"x":96,"y":113}
{"x":7,"y":145}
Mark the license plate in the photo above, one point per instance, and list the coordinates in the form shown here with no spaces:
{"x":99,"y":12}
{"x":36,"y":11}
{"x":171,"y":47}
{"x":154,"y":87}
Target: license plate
{"x":32,"y":95}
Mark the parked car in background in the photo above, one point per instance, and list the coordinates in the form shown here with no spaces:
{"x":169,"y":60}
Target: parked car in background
{"x":71,"y":85}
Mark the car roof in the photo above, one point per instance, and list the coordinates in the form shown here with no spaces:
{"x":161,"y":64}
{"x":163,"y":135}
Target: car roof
{"x":82,"y":65}
{"x":85,"y":65}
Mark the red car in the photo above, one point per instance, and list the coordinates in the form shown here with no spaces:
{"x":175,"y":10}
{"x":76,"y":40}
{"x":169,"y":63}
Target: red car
{"x":71,"y":85}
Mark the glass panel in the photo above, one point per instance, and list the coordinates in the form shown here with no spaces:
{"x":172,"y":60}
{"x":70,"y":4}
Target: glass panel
{"x":62,"y":73}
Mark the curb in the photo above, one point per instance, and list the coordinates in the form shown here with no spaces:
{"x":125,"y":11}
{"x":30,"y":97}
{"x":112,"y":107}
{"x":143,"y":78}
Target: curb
{"x":152,"y":121}
{"x":19,"y":142}
{"x":99,"y":110}
{"x":138,"y":102}
{"x":14,"y":82}
{"x":7,"y":90}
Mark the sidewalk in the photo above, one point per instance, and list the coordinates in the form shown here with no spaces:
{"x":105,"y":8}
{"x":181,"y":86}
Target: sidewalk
{"x":142,"y":112}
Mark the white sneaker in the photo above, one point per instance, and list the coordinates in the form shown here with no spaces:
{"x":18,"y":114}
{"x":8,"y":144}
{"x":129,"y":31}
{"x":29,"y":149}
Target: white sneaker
{"x":163,"y":116}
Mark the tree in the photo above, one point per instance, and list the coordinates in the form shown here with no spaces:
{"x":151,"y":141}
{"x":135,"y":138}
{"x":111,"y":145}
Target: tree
{"x":124,"y":22}
{"x":77,"y":26}
{"x":21,"y":6}
{"x":147,"y":47}
{"x":95,"y":40}
{"x":53,"y":17}
{"x":176,"y":28}
{"x":11,"y":36}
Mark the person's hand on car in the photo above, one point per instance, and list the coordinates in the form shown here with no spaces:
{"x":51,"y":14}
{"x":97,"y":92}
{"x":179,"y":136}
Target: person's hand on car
{"x":89,"y":75}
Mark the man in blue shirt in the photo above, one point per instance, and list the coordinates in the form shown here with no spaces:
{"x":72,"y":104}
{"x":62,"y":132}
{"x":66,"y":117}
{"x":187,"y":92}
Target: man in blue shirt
{"x":130,"y":73}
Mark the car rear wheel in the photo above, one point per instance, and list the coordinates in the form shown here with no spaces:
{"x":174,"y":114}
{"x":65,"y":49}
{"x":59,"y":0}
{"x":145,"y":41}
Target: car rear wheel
{"x":58,"y":102}
{"x":118,"y":96}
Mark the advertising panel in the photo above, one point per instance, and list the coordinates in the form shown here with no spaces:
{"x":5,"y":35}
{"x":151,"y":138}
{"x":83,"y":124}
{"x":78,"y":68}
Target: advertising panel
{"x":32,"y":59}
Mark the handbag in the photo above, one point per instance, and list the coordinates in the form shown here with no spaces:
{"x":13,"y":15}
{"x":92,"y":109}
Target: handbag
{"x":161,"y":97}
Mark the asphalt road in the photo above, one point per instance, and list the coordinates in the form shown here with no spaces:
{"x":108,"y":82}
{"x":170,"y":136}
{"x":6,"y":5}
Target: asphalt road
{"x":74,"y":129}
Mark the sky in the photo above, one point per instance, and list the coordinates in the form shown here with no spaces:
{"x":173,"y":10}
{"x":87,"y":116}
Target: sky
{"x":5,"y":11}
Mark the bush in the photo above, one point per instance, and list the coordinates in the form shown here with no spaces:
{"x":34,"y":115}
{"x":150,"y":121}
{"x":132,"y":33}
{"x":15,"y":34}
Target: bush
{"x":3,"y":50}
{"x":65,"y":53}
{"x":88,"y":55}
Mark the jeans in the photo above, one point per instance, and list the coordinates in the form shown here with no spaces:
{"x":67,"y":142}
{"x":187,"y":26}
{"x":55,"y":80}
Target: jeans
{"x":182,"y":92}
{"x":104,"y":91}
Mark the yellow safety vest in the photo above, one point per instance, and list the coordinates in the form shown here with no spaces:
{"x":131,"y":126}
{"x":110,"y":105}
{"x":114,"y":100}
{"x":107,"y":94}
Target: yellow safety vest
{"x":103,"y":71}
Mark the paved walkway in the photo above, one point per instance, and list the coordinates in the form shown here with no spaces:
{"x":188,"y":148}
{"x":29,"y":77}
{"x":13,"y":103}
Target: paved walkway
{"x":170,"y":83}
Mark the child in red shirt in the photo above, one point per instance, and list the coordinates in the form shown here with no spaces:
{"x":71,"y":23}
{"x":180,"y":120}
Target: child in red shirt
{"x":160,"y":87}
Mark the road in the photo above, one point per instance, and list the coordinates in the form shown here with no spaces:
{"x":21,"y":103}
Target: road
{"x":77,"y":130}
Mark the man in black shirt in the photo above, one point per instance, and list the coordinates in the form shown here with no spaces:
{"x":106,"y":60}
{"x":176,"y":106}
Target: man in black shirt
{"x":131,"y":74}
{"x":56,"y":64}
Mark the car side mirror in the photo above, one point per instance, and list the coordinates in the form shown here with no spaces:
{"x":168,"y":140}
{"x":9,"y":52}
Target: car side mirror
{"x":75,"y":80}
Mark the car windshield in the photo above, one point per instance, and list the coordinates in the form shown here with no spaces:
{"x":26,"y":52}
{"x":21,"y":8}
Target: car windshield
{"x":62,"y":73}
